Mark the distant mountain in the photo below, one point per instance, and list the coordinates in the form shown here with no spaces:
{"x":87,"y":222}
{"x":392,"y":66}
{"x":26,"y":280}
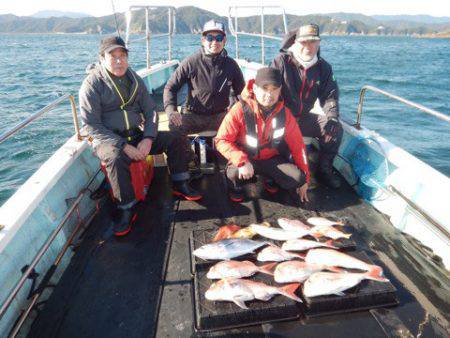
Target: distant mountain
{"x":59,"y":14}
{"x":191,"y":19}
{"x":427,"y":19}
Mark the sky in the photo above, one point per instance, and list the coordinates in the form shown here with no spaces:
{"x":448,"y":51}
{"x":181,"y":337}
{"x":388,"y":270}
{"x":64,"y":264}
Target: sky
{"x":300,"y":7}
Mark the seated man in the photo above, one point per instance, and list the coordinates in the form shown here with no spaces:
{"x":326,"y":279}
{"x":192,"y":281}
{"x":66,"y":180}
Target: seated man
{"x":306,"y":78}
{"x":259,"y":134}
{"x":210,"y":74}
{"x":119,"y":114}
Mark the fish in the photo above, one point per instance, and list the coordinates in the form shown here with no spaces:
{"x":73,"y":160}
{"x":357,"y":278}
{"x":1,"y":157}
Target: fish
{"x":241,"y":290}
{"x":330,"y":257}
{"x":248,"y":232}
{"x":296,"y":271}
{"x":305,"y":244}
{"x":226,"y":231}
{"x":322,"y":221}
{"x":330,"y":283}
{"x":319,"y":231}
{"x":275,"y":254}
{"x":292,"y":224}
{"x":227,"y":249}
{"x":237,"y":269}
{"x":278,"y":234}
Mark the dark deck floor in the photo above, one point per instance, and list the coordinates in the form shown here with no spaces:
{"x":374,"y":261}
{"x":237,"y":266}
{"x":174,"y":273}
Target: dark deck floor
{"x":121,"y":287}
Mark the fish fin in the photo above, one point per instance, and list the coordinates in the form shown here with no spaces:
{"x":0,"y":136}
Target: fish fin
{"x":375,"y":273}
{"x":240,"y":303}
{"x":339,"y":293}
{"x":302,"y":256}
{"x":268,"y":268}
{"x":347,"y":236}
{"x":225,"y":232}
{"x":316,"y":235}
{"x":289,"y":291}
{"x":330,"y":243}
{"x":336,"y":269}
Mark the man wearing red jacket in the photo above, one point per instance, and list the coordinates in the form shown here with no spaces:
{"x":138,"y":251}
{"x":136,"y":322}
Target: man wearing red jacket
{"x":256,"y":135}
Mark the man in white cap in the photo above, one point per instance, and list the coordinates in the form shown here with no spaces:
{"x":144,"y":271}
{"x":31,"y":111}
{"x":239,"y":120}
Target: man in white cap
{"x":306,"y":78}
{"x":210,"y":76}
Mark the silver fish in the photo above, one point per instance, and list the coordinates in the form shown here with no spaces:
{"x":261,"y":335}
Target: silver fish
{"x":278,"y":234}
{"x":241,"y":290}
{"x":305,"y":244}
{"x":330,"y":283}
{"x":275,"y":254}
{"x":228,"y":248}
{"x":237,"y":269}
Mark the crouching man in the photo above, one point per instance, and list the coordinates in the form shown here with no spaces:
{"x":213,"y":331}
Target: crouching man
{"x":119,"y":114}
{"x":258,"y":136}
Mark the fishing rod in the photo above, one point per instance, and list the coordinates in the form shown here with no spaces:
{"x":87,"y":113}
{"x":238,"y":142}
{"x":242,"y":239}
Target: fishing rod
{"x":115,"y":17}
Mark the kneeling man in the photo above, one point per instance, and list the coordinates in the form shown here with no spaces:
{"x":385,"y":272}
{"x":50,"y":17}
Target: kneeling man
{"x":259,"y":135}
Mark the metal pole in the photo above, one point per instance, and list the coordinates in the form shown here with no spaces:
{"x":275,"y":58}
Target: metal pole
{"x":170,"y":34}
{"x":128,"y":15}
{"x":147,"y":36}
{"x":263,"y":54}
{"x":236,"y":29}
{"x":398,"y":98}
{"x":33,"y":117}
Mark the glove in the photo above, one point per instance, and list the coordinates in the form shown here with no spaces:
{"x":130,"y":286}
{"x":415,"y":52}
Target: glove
{"x":332,"y":127}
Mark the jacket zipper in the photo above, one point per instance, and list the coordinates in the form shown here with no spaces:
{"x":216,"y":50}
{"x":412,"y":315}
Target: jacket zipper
{"x":303,"y":73}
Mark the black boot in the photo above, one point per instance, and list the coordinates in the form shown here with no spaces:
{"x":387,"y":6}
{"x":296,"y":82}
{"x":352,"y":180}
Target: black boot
{"x":184,"y":190}
{"x":236,"y":193}
{"x":124,"y":220}
{"x":270,"y":185}
{"x":325,"y":173}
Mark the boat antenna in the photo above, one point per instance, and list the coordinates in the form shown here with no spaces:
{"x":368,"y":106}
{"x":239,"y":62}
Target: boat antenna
{"x":115,"y":18}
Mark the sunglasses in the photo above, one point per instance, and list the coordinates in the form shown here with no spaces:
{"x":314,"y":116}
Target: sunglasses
{"x":211,"y":38}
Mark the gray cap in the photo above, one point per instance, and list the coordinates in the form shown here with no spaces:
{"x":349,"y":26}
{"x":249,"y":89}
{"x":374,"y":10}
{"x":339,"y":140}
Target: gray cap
{"x":213,"y":26}
{"x":308,"y":32}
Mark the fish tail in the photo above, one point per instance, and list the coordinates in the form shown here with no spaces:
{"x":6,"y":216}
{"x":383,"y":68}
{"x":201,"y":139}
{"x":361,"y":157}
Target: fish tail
{"x":289,"y":291}
{"x":330,"y":243}
{"x":302,"y":256}
{"x":268,"y":268}
{"x":347,"y":235}
{"x":375,"y":272}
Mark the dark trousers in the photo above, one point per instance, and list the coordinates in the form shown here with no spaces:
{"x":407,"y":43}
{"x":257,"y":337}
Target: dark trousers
{"x":313,"y":125}
{"x":285,"y":174}
{"x":192,"y":123}
{"x":118,"y":163}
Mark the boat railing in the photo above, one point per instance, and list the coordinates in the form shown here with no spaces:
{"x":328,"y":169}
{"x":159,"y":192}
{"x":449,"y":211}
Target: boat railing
{"x":6,"y":135}
{"x":424,"y":109}
{"x":171,"y":25}
{"x":234,"y":28}
{"x":30,"y":268}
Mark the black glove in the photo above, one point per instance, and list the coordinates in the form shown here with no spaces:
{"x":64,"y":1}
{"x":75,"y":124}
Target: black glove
{"x":332,"y":127}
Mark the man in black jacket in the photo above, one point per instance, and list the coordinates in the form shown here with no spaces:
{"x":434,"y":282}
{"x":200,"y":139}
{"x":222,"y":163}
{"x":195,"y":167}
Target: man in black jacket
{"x":306,"y":78}
{"x":120,"y":116}
{"x":210,"y":75}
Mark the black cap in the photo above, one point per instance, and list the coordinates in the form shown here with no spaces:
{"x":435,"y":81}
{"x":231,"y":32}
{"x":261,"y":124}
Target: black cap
{"x":111,"y":43}
{"x":268,"y":75}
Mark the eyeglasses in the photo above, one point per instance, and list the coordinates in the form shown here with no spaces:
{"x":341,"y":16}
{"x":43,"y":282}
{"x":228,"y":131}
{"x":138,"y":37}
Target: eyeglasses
{"x":210,"y":38}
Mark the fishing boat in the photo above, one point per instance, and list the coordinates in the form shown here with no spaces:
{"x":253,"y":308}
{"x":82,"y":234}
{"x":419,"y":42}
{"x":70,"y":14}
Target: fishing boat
{"x":64,"y":274}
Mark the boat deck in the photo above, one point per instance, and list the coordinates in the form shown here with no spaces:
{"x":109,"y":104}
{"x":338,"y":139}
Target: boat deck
{"x":140,"y":285}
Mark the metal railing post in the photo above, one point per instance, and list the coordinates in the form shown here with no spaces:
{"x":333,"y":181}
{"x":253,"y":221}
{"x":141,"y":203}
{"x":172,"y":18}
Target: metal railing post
{"x":169,"y":51}
{"x":397,"y":98}
{"x":147,"y":37}
{"x":237,"y":29}
{"x":263,"y":52}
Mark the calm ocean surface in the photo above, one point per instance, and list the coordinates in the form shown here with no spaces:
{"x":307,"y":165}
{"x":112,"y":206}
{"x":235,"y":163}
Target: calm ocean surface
{"x":36,"y":69}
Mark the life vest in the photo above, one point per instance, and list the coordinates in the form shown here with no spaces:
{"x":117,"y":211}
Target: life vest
{"x":275,"y":137}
